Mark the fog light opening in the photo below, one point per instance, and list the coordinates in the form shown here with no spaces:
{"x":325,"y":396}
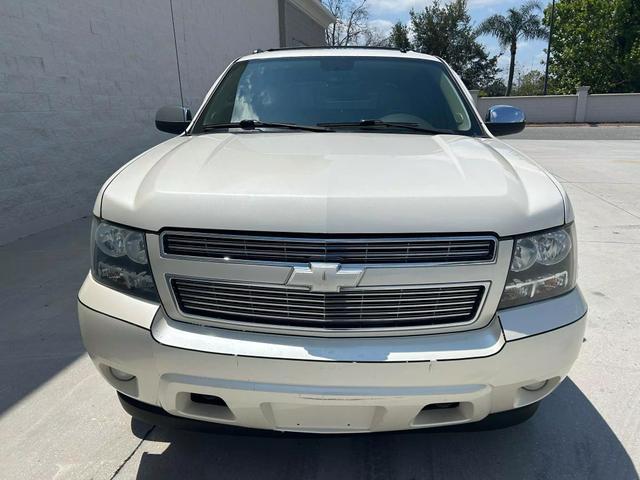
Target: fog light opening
{"x":534,"y":387}
{"x":120,"y":375}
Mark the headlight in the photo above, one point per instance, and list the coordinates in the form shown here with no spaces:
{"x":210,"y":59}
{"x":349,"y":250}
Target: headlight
{"x":542,"y":266}
{"x":120,"y":261}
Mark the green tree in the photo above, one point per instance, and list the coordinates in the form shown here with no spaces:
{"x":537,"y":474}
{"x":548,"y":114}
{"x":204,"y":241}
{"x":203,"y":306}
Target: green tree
{"x":494,"y":89}
{"x":530,"y":83}
{"x":445,"y":30}
{"x":520,"y":23}
{"x":628,"y":42}
{"x":399,"y":37}
{"x":595,"y":43}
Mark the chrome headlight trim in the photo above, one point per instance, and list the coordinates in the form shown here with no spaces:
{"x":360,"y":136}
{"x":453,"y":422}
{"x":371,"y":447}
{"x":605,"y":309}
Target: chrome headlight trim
{"x":119,"y":260}
{"x":543,"y":266}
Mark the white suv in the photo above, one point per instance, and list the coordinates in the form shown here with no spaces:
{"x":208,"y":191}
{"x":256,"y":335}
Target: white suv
{"x":335,"y":243}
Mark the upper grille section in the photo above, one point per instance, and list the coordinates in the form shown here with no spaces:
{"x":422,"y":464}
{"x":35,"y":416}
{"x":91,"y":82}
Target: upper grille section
{"x":336,"y":249}
{"x":371,"y":307}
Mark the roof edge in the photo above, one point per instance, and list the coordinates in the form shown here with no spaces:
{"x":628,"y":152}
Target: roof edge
{"x":316,"y":10}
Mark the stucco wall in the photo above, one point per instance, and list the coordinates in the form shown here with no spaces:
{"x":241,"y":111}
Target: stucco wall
{"x":80,"y":81}
{"x":549,"y":109}
{"x":300,"y":29}
{"x":571,"y":108}
{"x":613,"y":108}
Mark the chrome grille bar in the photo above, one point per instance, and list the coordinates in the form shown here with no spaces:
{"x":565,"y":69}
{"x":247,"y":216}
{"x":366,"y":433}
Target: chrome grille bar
{"x":339,"y":249}
{"x":357,"y":307}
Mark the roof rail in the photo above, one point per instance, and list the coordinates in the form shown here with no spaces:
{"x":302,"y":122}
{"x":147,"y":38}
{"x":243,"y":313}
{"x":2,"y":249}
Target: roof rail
{"x":332,"y":47}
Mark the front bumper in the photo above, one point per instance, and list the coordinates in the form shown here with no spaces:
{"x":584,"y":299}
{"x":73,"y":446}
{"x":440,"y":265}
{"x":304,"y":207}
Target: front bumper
{"x":329,"y":385}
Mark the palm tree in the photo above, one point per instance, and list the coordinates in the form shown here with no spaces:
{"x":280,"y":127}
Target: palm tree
{"x":521,"y":23}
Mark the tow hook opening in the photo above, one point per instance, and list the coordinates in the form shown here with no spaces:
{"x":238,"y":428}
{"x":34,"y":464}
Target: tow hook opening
{"x":208,"y":399}
{"x":440,"y":406}
{"x":204,"y":406}
{"x":444,"y":413}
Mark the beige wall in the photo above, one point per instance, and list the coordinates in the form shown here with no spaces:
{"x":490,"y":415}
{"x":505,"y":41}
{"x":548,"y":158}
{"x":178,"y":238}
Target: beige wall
{"x":613,"y":108}
{"x":579,"y":108}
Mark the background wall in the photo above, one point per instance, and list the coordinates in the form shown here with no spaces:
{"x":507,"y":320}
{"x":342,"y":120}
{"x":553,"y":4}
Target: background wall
{"x":579,"y":108}
{"x":300,"y":29}
{"x":613,"y":107}
{"x":549,"y":109}
{"x":80,"y":81}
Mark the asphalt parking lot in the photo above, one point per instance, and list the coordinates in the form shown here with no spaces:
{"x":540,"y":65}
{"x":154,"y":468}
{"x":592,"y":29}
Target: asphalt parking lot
{"x":59,"y":419}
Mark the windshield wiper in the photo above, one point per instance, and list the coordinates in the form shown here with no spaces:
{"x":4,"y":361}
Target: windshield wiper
{"x":253,"y":124}
{"x":380,"y":123}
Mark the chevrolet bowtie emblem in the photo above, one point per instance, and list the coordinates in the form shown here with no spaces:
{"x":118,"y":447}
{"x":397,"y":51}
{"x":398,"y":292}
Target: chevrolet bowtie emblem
{"x":325,"y":277}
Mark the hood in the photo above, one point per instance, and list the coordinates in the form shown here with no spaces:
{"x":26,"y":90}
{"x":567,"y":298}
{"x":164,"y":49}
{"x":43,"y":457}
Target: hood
{"x":334,"y":183}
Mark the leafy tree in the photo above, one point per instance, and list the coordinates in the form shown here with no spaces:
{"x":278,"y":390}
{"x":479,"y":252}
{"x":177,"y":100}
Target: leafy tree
{"x":530,"y":83}
{"x":445,"y":30}
{"x":595,"y":43}
{"x":494,"y":89}
{"x":521,"y":23}
{"x":399,"y":37}
{"x":628,"y":42}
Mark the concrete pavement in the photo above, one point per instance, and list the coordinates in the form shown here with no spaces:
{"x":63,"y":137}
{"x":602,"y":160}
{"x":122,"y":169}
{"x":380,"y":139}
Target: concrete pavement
{"x":58,"y":419}
{"x":579,"y":132}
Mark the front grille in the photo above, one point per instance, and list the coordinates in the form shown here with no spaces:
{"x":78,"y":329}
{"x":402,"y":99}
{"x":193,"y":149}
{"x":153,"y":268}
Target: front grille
{"x":373,"y":307}
{"x":344,"y":250}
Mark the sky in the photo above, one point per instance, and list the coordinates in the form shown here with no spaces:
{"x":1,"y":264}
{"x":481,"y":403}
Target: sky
{"x":384,"y":13}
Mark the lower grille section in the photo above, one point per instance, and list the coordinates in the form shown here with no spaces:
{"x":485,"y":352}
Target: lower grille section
{"x":350,"y":308}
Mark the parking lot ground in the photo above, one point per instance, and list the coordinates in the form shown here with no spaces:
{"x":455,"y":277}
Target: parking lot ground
{"x":611,"y":131}
{"x":58,"y":419}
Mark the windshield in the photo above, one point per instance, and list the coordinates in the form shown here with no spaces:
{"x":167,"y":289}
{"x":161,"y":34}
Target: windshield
{"x":341,"y":90}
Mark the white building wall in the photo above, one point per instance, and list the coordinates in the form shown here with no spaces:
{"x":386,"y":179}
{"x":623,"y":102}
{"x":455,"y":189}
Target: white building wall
{"x":80,"y":81}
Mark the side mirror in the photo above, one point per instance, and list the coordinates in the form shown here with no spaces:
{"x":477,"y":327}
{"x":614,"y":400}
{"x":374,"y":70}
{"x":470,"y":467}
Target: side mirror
{"x":173,"y":119}
{"x":504,"y":120}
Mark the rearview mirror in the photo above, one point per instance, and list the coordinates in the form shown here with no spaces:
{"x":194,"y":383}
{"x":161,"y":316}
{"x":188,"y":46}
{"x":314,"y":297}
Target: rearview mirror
{"x":172,"y":119}
{"x":504,"y":120}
